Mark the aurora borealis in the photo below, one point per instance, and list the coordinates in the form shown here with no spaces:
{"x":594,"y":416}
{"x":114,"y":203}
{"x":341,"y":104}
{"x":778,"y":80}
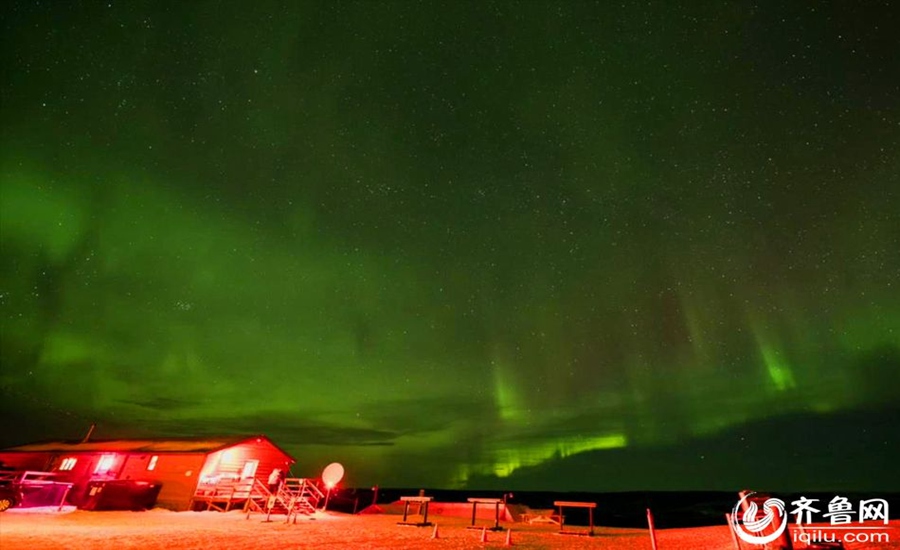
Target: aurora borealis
{"x":488,"y":244}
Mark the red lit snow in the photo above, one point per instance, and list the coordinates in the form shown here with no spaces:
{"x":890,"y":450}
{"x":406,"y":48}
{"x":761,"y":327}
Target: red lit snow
{"x":161,"y":529}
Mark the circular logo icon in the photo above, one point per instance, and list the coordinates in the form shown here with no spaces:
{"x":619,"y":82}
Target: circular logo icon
{"x":753,"y":529}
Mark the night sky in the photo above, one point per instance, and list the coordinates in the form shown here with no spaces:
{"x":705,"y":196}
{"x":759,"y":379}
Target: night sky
{"x":573,"y":245}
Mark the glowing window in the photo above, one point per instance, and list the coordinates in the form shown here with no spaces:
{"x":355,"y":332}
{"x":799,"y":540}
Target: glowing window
{"x":68,"y":463}
{"x":152,"y":464}
{"x":105,"y":464}
{"x":249,"y":469}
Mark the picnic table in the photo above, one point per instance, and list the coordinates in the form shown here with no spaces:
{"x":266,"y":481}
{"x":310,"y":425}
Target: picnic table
{"x":420,"y":500}
{"x":496,"y":502}
{"x":570,"y":504}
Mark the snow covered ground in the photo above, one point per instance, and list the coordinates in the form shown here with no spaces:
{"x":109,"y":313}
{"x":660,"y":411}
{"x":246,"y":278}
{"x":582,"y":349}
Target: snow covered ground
{"x":45,"y":529}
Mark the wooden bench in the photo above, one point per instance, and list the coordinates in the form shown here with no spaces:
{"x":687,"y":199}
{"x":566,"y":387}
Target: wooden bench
{"x":540,"y":516}
{"x":568,"y":504}
{"x":420,"y":500}
{"x":496,"y":502}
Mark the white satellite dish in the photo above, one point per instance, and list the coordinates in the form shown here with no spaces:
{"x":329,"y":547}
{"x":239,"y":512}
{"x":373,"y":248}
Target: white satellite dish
{"x":333,"y":474}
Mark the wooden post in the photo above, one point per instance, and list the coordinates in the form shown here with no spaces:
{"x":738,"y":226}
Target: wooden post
{"x":269,"y":505}
{"x":294,"y":510}
{"x":652,"y":528}
{"x":737,"y":543}
{"x":62,"y":501}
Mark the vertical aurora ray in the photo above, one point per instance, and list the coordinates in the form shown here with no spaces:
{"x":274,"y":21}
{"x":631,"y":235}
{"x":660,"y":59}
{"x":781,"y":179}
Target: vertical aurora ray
{"x":506,"y":398}
{"x":779,"y":370}
{"x":772,"y":359}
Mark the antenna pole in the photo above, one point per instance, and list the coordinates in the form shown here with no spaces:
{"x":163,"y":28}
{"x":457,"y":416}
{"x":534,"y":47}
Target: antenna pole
{"x":90,"y":432}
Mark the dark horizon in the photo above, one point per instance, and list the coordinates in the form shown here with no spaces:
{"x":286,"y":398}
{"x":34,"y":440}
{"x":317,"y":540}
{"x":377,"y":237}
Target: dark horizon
{"x":789,"y":455}
{"x":462,"y":245}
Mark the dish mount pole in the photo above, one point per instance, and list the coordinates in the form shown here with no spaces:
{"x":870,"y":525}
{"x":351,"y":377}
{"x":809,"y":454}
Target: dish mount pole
{"x":90,"y":432}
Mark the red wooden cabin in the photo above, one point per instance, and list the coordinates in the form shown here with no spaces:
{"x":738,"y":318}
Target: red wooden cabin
{"x":181,"y":466}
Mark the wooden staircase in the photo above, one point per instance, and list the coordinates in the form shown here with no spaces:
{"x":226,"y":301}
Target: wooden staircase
{"x":301,"y":495}
{"x":296,"y":496}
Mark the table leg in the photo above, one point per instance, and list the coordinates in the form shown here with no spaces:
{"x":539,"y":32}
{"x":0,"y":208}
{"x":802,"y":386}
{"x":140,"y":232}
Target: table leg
{"x":591,"y":520}
{"x":405,"y":510}
{"x":474,"y":505}
{"x":496,"y":516}
{"x":562,"y":519}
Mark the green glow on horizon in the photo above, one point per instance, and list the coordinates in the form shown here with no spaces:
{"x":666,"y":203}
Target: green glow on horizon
{"x":505,"y":462}
{"x":508,"y":461}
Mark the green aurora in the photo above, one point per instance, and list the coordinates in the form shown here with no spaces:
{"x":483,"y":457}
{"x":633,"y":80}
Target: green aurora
{"x":470,"y":244}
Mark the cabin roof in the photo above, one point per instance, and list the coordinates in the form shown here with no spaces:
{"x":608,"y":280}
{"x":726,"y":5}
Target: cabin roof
{"x":171,"y":445}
